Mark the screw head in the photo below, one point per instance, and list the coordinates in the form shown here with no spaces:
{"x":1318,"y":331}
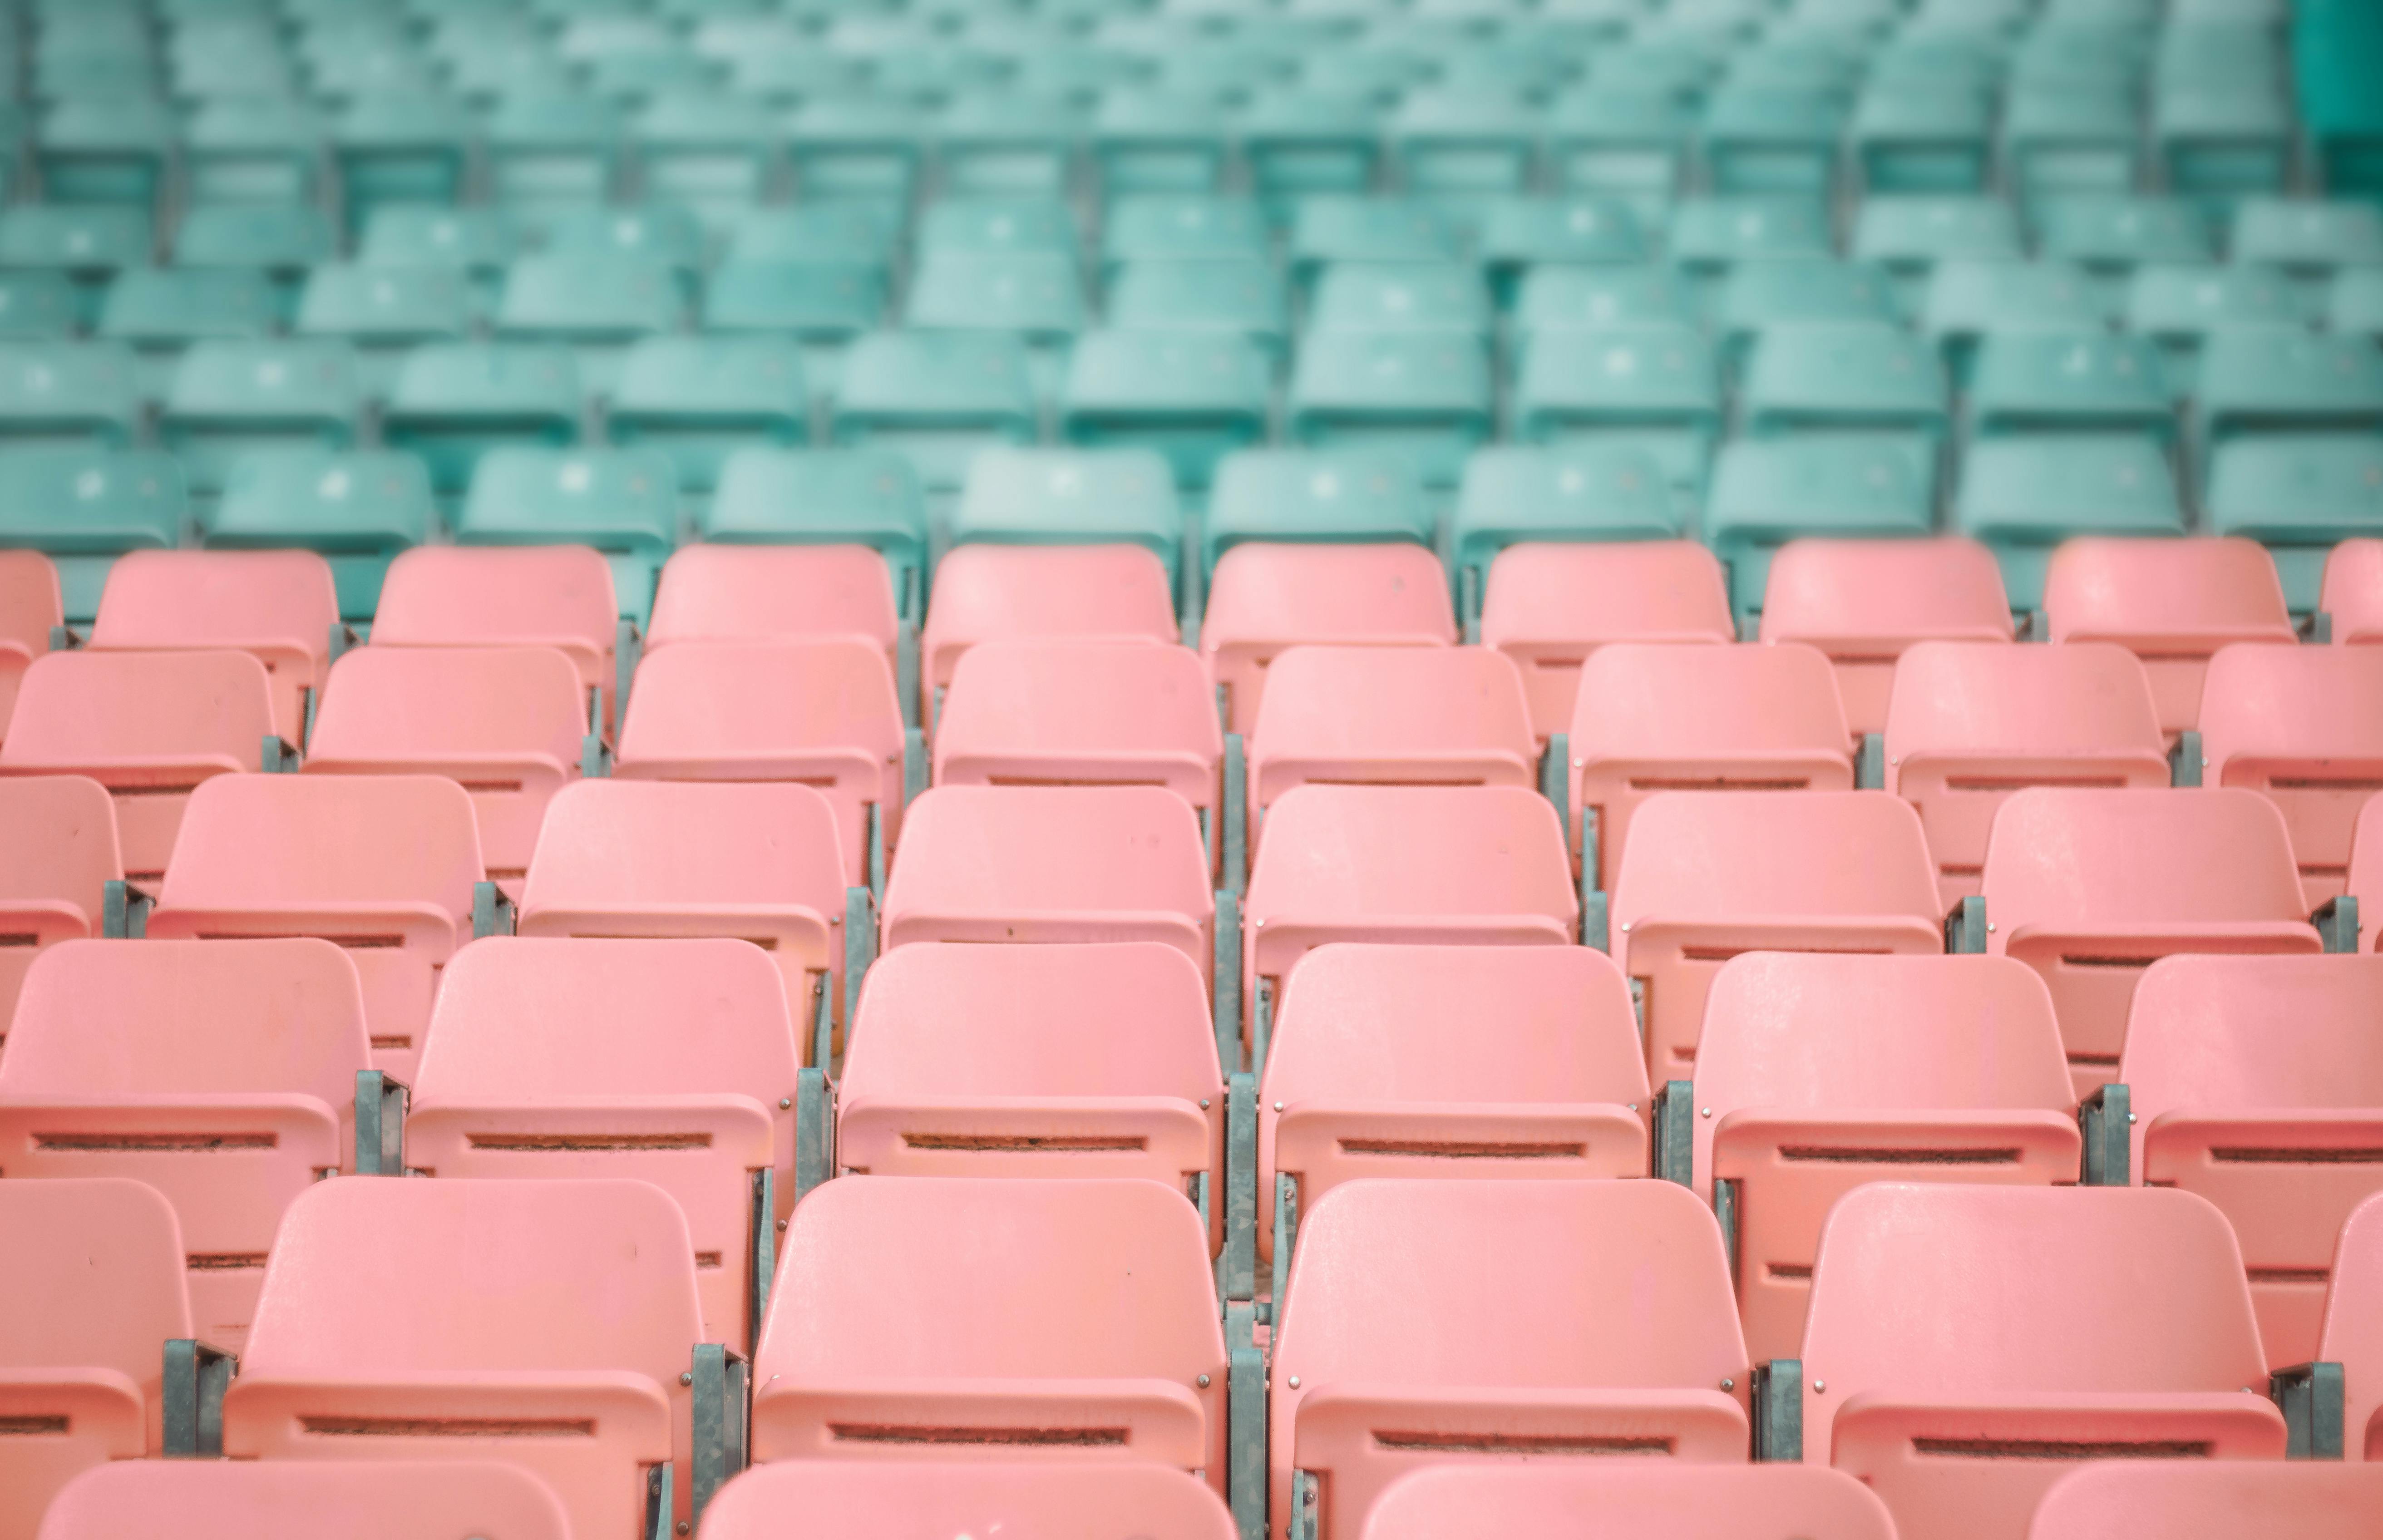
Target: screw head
{"x":1728,"y":1383}
{"x":785,"y":1102}
{"x":682,"y":1526}
{"x":1704,"y":1112}
{"x":1278,"y":1106}
{"x":1294,"y":1382}
{"x":1203,"y":1103}
{"x":1203,"y":1382}
{"x":687,"y":1377}
{"x":1820,"y":1387}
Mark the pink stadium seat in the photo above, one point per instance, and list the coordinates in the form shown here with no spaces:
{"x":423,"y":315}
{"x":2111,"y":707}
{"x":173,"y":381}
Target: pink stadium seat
{"x":822,"y":713}
{"x":1037,"y":1061}
{"x":1263,"y":597}
{"x":860,"y":1500}
{"x":1969,"y":724}
{"x":2172,"y":603}
{"x":2091,"y":887}
{"x":1711,"y":874}
{"x":382,"y":865}
{"x":496,"y":596}
{"x":1071,"y":712}
{"x":1059,"y":1321}
{"x":30,"y":610}
{"x":57,"y":855}
{"x":1863,"y":602}
{"x":2353,"y":591}
{"x":1437,"y":865}
{"x":91,"y":1290}
{"x":987,"y":592}
{"x":148,"y":726}
{"x":1448,"y":1060}
{"x":1548,"y":606}
{"x":2366,"y":872}
{"x":2257,"y":1082}
{"x":1053,"y":864}
{"x":543,"y":1324}
{"x":1816,"y":1073}
{"x":2179,"y":1499}
{"x":2304,"y":726}
{"x":670,"y":1062}
{"x":1390,"y":715}
{"x":2352,"y":1333}
{"x":256,"y":1500}
{"x":1438,"y":1322}
{"x":757,"y":862}
{"x":1627,"y":1499}
{"x":1967,"y":1346}
{"x":221,"y":1074}
{"x":1651,"y":719}
{"x":774,"y":594}
{"x":277,"y":604}
{"x":508,"y":724}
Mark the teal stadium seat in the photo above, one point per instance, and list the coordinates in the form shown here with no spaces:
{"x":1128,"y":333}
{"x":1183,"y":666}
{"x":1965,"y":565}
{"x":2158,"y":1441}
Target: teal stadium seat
{"x":85,"y":507}
{"x":106,"y":150}
{"x":1299,"y":142}
{"x":69,"y":393}
{"x":2044,"y":382}
{"x":1830,"y":486}
{"x":2217,"y":145}
{"x":89,"y":245}
{"x":2354,"y":307}
{"x":1244,"y":299}
{"x":358,"y":509}
{"x":480,"y":243}
{"x":2313,"y":239}
{"x":399,"y":148}
{"x":2275,"y":382}
{"x":1336,"y":228}
{"x":1969,"y":301}
{"x":1452,"y":144}
{"x":1517,"y":494}
{"x":1312,"y":496}
{"x":1711,"y":236}
{"x":622,"y":502}
{"x":383,"y":313}
{"x":553,"y":150}
{"x":938,"y":397}
{"x":826,"y":496}
{"x":37,"y":307}
{"x":281,"y":240}
{"x":2110,"y":237}
{"x":1188,"y":397}
{"x":1149,"y":140}
{"x":822,"y":302}
{"x":1410,"y":299}
{"x":1861,"y":379}
{"x":1759,"y":297}
{"x":1651,"y":386}
{"x":2299,"y":497}
{"x":989,"y":224}
{"x":595,"y":303}
{"x":259,"y":147}
{"x":698,"y":398}
{"x":664,"y":234}
{"x":856,"y":232}
{"x":1765,"y":141}
{"x":2023,"y":497}
{"x":705,"y":149}
{"x":1912,"y":237}
{"x":1923,"y":140}
{"x":157,"y":312}
{"x":2179,"y":307}
{"x":1565,"y":298}
{"x":1008,"y":141}
{"x":853,"y":144}
{"x":1034,"y":294}
{"x":2076,"y":139}
{"x":231,"y":398}
{"x":1072,"y":498}
{"x":1425,"y":397}
{"x":1182,"y":228}
{"x":1624,"y":140}
{"x":454,"y":402}
{"x":1519,"y":234}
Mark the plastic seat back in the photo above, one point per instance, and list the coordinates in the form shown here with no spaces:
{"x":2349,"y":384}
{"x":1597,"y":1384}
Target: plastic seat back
{"x":1761,"y":1502}
{"x":885,"y":1499}
{"x":280,"y":605}
{"x":1265,"y":597}
{"x":1863,"y":602}
{"x":1393,"y":715}
{"x":670,"y":1062}
{"x":2254,"y":1082}
{"x":1652,"y":717}
{"x":1816,"y":1073}
{"x":357,"y":508}
{"x":148,"y":726}
{"x":30,"y":611}
{"x":826,"y":496}
{"x":2020,"y":1330}
{"x":452,"y":403}
{"x":1710,"y":874}
{"x":913,"y":1314}
{"x":758,"y":862}
{"x":1969,"y":724}
{"x":990,"y":592}
{"x":2209,"y":1500}
{"x":701,"y":398}
{"x":2298,"y":495}
{"x":58,"y":852}
{"x":2090,"y":887}
{"x":90,"y":1289}
{"x":408,"y":1320}
{"x":223,"y":1076}
{"x":1550,"y":1083}
{"x":509,"y":724}
{"x":1445,"y":1322}
{"x":223,"y":1500}
{"x":2304,"y":726}
{"x":382,"y":865}
{"x":712,"y":593}
{"x":2173,"y":603}
{"x":2366,"y":869}
{"x":2353,"y":593}
{"x":1550,"y":607}
{"x":229,"y":398}
{"x":2350,"y":1337}
{"x":558,"y":597}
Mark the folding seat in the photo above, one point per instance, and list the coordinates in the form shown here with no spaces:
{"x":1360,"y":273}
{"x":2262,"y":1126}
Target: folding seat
{"x":89,"y":245}
{"x":1007,"y":141}
{"x":61,"y":393}
{"x":265,"y":149}
{"x":279,"y":606}
{"x":2044,"y":382}
{"x":1816,"y":1073}
{"x":229,"y":398}
{"x":1515,"y":495}
{"x":1620,"y":141}
{"x":1967,"y":301}
{"x":31,"y":613}
{"x":2298,"y":496}
{"x":853,"y":144}
{"x":701,"y":149}
{"x":115,"y":149}
{"x":1759,"y":297}
{"x":1282,"y":496}
{"x":597,"y":302}
{"x":2112,"y":235}
{"x":1148,"y":140}
{"x":385,"y":866}
{"x":1470,"y":1502}
{"x":1523,"y":233}
{"x":397,"y":148}
{"x":554,"y":148}
{"x":1844,"y":486}
{"x":2271,"y":381}
{"x":1330,"y":229}
{"x":1864,"y":378}
{"x":1455,"y":142}
{"x":979,"y":225}
{"x":753,"y":861}
{"x":1652,"y":388}
{"x":720,"y":593}
{"x":158,"y":312}
{"x":2349,"y":1338}
{"x":2025,"y":497}
{"x":987,"y":592}
{"x":1712,"y":235}
{"x":60,"y":873}
{"x":2075,"y":143}
{"x":509,"y":724}
{"x":225,"y":1077}
{"x":2173,"y":603}
{"x":1070,"y":498}
{"x":2218,"y":146}
{"x":1032,"y":294}
{"x":872,"y":1498}
{"x":2313,"y":239}
{"x":1192,"y":398}
{"x":2181,"y":307}
{"x":452,"y":403}
{"x":1915,"y":237}
{"x":37,"y":307}
{"x":480,"y":243}
{"x":94,"y":1306}
{"x":823,"y":303}
{"x":602,"y":1026}
{"x":1910,"y":141}
{"x":1770,"y":142}
{"x":508,"y":1312}
{"x":937,"y":397}
{"x":622,"y":502}
{"x":1551,"y":606}
{"x":1219,"y":298}
{"x":1480,"y":1319}
{"x":148,"y":726}
{"x":1427,"y":399}
{"x":557,"y":597}
{"x":1148,"y":227}
{"x":1439,"y":300}
{"x":1966,"y":725}
{"x":2090,"y":886}
{"x":1358,"y":1082}
{"x":1267,"y":595}
{"x":221,"y":1500}
{"x":1051,"y":1311}
{"x":2208,"y":1500}
{"x":356,"y":509}
{"x":282,"y":241}
{"x":1377,"y":76}
{"x":2299,"y":725}
{"x":83,"y":509}
{"x":1864,"y":602}
{"x":698,"y":398}
{"x":1301,"y":143}
{"x":826,"y":496}
{"x":2352,"y":595}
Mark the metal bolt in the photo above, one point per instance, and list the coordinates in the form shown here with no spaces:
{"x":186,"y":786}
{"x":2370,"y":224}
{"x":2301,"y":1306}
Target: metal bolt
{"x":1278,"y":1106}
{"x":1704,"y":1112}
{"x":1203,"y":1382}
{"x":1634,"y":1106}
{"x":2130,"y":1117}
{"x":1625,"y":926}
{"x":1294,"y":1382}
{"x":782,"y":1224}
{"x":1820,"y":1387}
{"x":682,"y":1526}
{"x":1990,"y":926}
{"x":785,"y":1102}
{"x":1308,"y":1497}
{"x":1728,"y":1383}
{"x":687,"y":1377}
{"x":1203,"y":1103}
